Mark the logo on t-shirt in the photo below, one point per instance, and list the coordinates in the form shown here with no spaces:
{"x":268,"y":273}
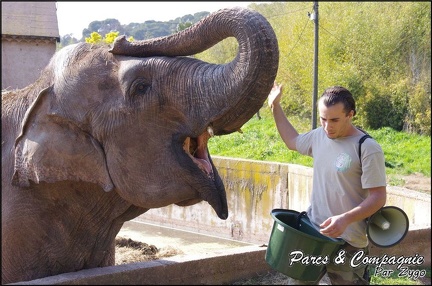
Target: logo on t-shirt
{"x":343,"y":162}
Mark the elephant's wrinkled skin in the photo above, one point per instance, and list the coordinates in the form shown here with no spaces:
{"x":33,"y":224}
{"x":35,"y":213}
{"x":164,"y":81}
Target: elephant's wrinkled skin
{"x":102,"y":136}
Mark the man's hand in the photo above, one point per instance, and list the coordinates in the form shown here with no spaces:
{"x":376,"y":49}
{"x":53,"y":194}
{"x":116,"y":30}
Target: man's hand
{"x":275,"y":95}
{"x":334,"y":226}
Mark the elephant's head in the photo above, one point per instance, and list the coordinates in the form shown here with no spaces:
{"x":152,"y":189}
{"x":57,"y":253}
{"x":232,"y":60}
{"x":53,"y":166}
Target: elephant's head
{"x":137,"y":119}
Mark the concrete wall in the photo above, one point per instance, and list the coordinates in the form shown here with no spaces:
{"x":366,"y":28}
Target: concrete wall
{"x":22,"y":61}
{"x":254,"y":189}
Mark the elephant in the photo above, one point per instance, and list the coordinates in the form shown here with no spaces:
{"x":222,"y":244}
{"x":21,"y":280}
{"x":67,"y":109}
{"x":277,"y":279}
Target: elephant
{"x":108,"y":132}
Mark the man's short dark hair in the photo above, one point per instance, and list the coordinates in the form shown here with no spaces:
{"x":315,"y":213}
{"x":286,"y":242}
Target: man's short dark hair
{"x":338,"y":94}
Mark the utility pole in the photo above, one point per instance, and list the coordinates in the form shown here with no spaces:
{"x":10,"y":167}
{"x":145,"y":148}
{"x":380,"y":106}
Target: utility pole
{"x":314,"y":17}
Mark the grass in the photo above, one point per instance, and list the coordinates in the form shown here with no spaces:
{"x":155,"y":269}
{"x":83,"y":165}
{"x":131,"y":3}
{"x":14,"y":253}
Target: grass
{"x":404,"y":153}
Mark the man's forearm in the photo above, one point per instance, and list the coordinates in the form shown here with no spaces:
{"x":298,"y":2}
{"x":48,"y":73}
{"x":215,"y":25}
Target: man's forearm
{"x":287,"y":132}
{"x":376,"y":200}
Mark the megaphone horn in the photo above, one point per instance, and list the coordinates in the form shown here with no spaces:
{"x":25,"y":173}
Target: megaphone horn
{"x":387,"y":227}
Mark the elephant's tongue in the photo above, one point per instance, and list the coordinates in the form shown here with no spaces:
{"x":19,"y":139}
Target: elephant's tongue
{"x":204,"y":165}
{"x":196,"y":148}
{"x":200,"y":154}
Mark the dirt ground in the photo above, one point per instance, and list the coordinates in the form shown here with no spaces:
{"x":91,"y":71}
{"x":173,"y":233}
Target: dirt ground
{"x":417,"y":182}
{"x":130,"y":251}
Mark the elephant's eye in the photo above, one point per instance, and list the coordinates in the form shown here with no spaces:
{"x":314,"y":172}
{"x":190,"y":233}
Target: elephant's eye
{"x":141,"y":88}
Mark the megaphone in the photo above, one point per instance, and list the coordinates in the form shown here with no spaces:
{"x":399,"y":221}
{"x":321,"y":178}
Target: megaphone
{"x":387,"y":227}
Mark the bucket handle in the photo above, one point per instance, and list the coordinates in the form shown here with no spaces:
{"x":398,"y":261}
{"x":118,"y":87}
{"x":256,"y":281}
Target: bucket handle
{"x":299,"y":216}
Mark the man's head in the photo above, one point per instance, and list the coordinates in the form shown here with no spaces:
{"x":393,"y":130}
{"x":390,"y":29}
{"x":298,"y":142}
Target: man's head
{"x":336,"y":108}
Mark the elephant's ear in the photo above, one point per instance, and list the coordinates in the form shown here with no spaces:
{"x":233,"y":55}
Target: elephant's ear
{"x":51,"y":148}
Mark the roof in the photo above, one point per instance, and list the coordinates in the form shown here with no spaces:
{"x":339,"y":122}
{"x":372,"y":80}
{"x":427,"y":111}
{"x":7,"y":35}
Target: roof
{"x":30,"y":19}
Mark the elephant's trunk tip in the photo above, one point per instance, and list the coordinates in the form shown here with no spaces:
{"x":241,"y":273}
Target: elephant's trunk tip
{"x":118,"y":45}
{"x":223,"y":216}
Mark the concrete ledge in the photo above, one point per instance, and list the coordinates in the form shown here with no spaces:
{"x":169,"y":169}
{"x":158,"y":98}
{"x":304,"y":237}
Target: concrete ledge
{"x":219,"y":267}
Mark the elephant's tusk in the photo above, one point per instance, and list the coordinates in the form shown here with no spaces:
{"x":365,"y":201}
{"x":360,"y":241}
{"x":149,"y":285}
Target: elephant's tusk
{"x":210,"y":131}
{"x":186,"y":145}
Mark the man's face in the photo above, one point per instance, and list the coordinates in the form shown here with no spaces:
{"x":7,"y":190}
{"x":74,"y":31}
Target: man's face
{"x":334,"y":120}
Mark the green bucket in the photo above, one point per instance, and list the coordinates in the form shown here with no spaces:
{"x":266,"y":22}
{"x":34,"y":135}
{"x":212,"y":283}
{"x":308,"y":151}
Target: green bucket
{"x":297,"y":249}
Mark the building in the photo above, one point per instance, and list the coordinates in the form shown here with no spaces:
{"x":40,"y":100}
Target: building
{"x":29,"y":36}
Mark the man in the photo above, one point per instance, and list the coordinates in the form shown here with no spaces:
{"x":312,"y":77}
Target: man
{"x":346,"y":189}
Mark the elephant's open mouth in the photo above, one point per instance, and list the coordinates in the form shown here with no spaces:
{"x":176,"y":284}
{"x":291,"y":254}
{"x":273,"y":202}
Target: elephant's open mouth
{"x":212,"y":190}
{"x":196,"y":148}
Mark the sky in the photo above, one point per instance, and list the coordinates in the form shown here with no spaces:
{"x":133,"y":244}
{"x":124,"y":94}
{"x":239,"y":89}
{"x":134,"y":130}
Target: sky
{"x":73,"y":17}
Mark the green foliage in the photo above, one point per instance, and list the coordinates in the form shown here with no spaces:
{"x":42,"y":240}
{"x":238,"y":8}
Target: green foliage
{"x":294,"y":31}
{"x":257,"y":142}
{"x":103,"y":27}
{"x":404,"y":153}
{"x":139,"y":31}
{"x":65,"y":41}
{"x":419,"y":110}
{"x":183,"y":26}
{"x":380,"y":51}
{"x":221,"y":53}
{"x":385,"y":108}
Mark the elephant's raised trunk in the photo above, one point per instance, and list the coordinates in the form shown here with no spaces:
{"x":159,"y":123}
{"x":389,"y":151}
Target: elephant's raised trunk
{"x":233,"y":92}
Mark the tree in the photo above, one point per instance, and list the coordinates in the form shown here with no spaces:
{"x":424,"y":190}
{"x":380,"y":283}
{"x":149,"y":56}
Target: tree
{"x":103,"y":27}
{"x":66,"y":40}
{"x":183,"y":26}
